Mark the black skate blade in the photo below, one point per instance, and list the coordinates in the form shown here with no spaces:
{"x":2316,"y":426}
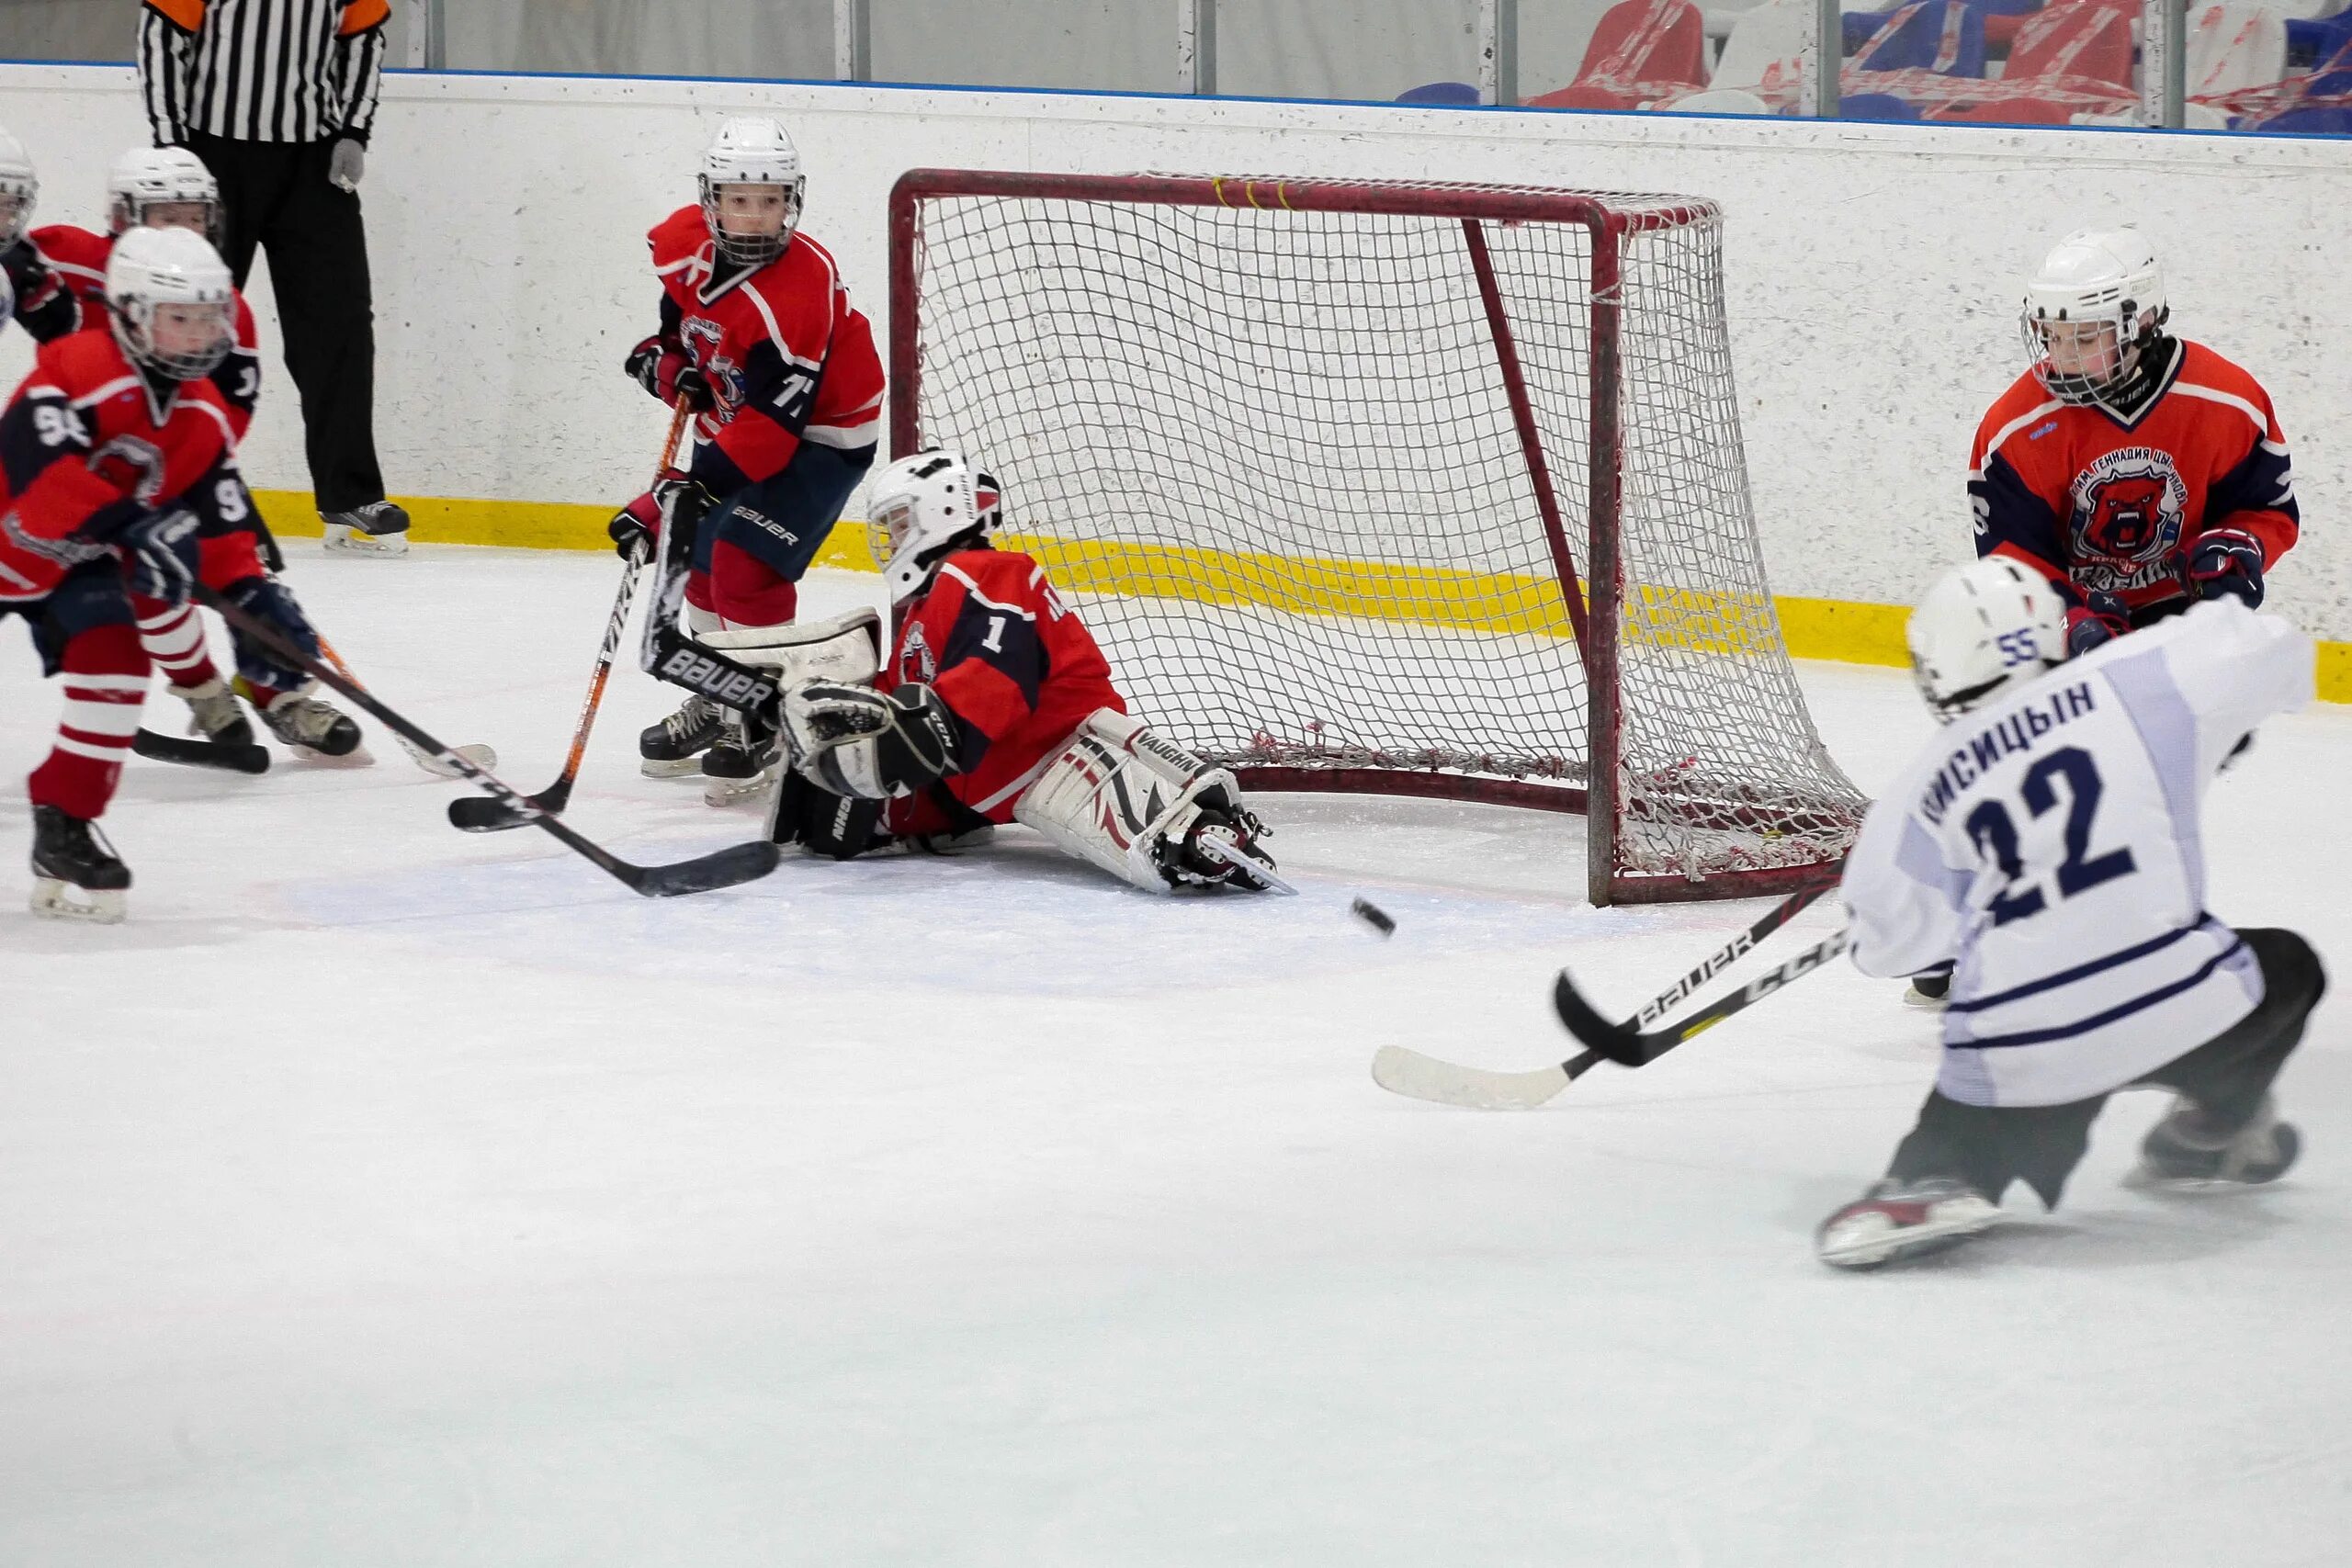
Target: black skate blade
{"x":722,"y":868}
{"x":189,"y":754}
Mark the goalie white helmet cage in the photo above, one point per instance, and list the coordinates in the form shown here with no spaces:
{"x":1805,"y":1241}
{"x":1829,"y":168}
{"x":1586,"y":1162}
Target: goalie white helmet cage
{"x":149,"y":176}
{"x":1982,"y":628}
{"x":154,"y":268}
{"x":921,"y":505}
{"x":752,"y":150}
{"x":18,"y":189}
{"x":2104,"y":277}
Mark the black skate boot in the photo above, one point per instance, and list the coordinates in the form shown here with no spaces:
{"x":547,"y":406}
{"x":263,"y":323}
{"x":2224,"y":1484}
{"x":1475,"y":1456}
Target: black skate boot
{"x":311,"y":727}
{"x":71,"y":858}
{"x":377,"y":528}
{"x":741,"y":763}
{"x":1903,"y":1219}
{"x":213,"y":714}
{"x":672,"y":747}
{"x":1930,"y":989}
{"x":2185,"y":1153}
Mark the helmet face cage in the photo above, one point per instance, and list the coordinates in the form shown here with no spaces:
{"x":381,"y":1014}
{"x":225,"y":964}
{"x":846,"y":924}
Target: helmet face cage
{"x":135,"y":324}
{"x":18,"y":192}
{"x":2119,"y":340}
{"x":751,"y":250}
{"x":134,"y":210}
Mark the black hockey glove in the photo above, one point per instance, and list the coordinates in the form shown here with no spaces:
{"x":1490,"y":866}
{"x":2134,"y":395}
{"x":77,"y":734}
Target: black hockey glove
{"x":859,"y":742}
{"x":159,"y":553}
{"x":671,"y":513}
{"x":2227,"y":563}
{"x":2100,"y":617}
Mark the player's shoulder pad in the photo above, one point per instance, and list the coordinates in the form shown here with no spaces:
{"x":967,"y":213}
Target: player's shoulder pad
{"x":678,"y":236}
{"x":2203,"y":368}
{"x":2018,"y":411}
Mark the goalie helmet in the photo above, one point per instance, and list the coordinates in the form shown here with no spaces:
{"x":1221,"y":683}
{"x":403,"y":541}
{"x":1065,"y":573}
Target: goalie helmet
{"x":18,"y":187}
{"x":2091,"y":311}
{"x":752,"y":150}
{"x":170,"y":301}
{"x":148,"y":177}
{"x":1982,"y":628}
{"x":923,"y":505}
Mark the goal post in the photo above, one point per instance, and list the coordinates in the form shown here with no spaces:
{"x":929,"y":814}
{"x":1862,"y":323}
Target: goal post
{"x":1393,"y":488}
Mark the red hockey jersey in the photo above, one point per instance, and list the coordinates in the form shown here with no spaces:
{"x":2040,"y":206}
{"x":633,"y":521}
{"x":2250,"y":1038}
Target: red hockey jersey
{"x":84,"y":445}
{"x":79,"y":259}
{"x":1018,"y":669}
{"x":789,"y":357}
{"x":2098,"y":504}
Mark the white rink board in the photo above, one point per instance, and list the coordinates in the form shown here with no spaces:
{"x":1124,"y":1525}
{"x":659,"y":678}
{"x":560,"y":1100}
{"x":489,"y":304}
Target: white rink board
{"x":384,"y":1195}
{"x":1873,"y":270}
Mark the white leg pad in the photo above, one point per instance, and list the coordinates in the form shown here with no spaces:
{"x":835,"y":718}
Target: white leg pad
{"x":1115,"y":795}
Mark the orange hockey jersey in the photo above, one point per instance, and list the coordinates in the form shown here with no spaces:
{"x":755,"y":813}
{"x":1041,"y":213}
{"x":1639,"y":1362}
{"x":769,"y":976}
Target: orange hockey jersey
{"x":2098,"y":504}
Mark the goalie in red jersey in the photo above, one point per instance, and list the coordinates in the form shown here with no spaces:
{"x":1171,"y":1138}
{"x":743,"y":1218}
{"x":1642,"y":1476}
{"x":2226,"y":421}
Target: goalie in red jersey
{"x":758,"y":336}
{"x":997,"y":706}
{"x":2138,"y":471}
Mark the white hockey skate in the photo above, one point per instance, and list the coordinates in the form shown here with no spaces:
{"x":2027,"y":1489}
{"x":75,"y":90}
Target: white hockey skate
{"x":1903,"y":1219}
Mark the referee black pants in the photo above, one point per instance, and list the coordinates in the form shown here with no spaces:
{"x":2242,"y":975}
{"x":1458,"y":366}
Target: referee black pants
{"x":275,"y":196}
{"x":1990,"y":1146}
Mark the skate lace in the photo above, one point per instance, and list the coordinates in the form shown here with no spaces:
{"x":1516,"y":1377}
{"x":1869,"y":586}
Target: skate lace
{"x":695,"y":714}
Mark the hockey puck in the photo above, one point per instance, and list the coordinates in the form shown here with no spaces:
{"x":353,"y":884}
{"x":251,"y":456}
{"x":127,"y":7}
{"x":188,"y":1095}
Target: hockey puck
{"x":1373,"y":915}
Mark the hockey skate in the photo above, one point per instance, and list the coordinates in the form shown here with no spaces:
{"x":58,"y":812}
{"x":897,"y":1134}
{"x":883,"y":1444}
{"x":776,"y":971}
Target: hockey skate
{"x":313,"y":729}
{"x":379,"y":529}
{"x":76,"y":874}
{"x":672,"y":747}
{"x":738,"y":768}
{"x":1897,"y":1219}
{"x":213,"y":714}
{"x":2184,"y":1154}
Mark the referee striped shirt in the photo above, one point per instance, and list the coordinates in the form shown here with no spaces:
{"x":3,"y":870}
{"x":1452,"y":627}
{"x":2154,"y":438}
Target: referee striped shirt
{"x":261,"y":70}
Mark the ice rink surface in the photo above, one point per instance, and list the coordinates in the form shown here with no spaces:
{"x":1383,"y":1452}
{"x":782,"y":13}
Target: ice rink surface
{"x":384,"y":1195}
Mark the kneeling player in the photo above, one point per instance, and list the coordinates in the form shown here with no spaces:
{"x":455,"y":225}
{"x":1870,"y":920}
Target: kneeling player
{"x":2049,"y":845}
{"x":997,"y":706}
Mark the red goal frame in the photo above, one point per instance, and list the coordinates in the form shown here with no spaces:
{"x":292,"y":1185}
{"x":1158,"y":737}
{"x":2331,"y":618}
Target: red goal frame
{"x":1473,"y":206}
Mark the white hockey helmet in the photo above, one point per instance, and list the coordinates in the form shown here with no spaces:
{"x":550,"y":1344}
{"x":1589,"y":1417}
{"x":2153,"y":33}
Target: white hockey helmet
{"x":922,"y":504}
{"x":1981,"y":628}
{"x":172,"y":307}
{"x":18,"y":189}
{"x":752,"y":150}
{"x":2096,"y":302}
{"x":148,"y":177}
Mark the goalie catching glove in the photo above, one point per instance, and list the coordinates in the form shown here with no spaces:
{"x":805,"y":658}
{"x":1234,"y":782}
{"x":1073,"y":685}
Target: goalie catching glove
{"x":870,"y":745}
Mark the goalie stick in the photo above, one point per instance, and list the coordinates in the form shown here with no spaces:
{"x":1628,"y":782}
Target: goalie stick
{"x":475,"y":815}
{"x":1400,"y":1070}
{"x":720,"y":868}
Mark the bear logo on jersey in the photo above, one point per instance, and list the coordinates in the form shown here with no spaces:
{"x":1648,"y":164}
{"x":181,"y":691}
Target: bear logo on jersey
{"x":2129,"y":511}
{"x":918,"y":665}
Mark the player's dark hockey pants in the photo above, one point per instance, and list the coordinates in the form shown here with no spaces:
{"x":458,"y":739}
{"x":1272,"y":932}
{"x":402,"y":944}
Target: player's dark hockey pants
{"x":1990,"y":1146}
{"x":275,"y":194}
{"x":753,"y":548}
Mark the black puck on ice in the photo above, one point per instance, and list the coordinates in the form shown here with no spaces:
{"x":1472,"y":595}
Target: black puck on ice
{"x":1373,"y":915}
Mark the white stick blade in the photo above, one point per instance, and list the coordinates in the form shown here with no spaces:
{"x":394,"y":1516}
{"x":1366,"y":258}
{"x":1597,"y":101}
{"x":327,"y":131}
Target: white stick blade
{"x":1402,"y":1070}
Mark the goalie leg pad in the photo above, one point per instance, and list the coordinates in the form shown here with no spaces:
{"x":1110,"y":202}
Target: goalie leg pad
{"x":1122,"y":798}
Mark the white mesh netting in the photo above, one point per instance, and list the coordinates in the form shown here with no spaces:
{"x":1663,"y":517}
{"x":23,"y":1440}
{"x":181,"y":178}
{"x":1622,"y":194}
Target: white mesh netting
{"x":1273,"y":455}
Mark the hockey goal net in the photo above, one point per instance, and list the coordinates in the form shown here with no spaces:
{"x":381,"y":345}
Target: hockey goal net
{"x":1411,"y":488}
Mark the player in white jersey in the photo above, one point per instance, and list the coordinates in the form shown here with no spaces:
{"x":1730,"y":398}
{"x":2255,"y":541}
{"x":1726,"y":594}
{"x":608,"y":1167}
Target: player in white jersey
{"x":2049,"y":846}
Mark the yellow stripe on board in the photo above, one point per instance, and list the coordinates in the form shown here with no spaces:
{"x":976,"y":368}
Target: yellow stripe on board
{"x":1834,"y":630}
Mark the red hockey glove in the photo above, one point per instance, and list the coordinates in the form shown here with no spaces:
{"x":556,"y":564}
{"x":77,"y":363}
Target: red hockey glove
{"x":669,"y":375}
{"x":2226,"y":561}
{"x":2102,"y":617}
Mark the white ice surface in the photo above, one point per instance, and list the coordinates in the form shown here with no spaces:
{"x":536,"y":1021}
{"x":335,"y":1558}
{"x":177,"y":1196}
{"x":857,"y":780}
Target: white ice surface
{"x":384,"y":1195}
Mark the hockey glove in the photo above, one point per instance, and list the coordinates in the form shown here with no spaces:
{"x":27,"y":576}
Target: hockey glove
{"x":669,"y":375}
{"x":671,"y":513}
{"x":867,"y":744}
{"x":2100,"y":617}
{"x":2227,"y":562}
{"x":159,"y":552}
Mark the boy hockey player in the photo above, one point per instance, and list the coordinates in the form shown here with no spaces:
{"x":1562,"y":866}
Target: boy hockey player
{"x":2049,"y":843}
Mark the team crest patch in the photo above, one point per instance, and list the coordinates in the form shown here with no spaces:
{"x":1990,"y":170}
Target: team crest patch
{"x":918,"y":665}
{"x":2130,"y":506}
{"x":726,"y":377}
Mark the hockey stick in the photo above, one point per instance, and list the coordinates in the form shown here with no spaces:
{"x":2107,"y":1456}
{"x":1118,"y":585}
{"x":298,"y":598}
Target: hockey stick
{"x":193,"y":754}
{"x":475,"y":815}
{"x":480,"y":756}
{"x":1402,"y":1070}
{"x":1626,"y":1044}
{"x":720,"y":868}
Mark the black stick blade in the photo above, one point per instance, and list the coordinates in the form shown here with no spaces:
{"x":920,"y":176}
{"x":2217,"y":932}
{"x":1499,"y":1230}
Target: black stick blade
{"x":481,"y":814}
{"x":1616,"y":1042}
{"x":191,"y":753}
{"x":721,"y":868}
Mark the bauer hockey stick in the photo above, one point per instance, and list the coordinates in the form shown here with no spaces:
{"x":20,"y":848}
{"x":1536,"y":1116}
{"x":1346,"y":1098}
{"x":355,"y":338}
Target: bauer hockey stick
{"x":475,"y":815}
{"x":1627,"y":1046}
{"x":720,"y":868}
{"x":1402,"y":1070}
